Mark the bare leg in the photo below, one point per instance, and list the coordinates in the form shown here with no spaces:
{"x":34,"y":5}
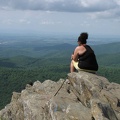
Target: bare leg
{"x":72,"y":69}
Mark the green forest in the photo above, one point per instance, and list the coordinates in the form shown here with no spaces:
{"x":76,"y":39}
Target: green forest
{"x":17,"y":71}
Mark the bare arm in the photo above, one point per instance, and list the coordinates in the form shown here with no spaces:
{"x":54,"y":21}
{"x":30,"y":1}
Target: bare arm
{"x":75,"y":55}
{"x":78,"y":51}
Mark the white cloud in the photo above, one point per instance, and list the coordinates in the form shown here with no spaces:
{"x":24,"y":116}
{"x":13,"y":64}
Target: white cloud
{"x":47,"y":22}
{"x":61,"y":5}
{"x":88,"y":3}
{"x":117,"y":1}
{"x":108,"y":14}
{"x":61,"y":15}
{"x":100,"y":8}
{"x":8,"y":21}
{"x":24,"y":21}
{"x":50,"y":22}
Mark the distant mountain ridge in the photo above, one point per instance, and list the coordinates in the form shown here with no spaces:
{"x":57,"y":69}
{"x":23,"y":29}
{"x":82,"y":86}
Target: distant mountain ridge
{"x":40,"y":50}
{"x":26,"y":61}
{"x":107,"y":48}
{"x":64,"y":46}
{"x":40,"y":54}
{"x":99,"y":49}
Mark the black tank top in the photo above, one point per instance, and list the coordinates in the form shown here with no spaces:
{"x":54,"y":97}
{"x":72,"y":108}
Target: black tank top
{"x":88,"y":60}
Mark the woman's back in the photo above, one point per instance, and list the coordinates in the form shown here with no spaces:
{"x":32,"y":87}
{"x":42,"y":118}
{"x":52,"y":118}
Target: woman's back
{"x":88,"y":59}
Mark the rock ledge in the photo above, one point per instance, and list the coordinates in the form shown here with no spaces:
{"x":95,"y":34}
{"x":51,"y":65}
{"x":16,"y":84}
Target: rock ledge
{"x":83,"y":96}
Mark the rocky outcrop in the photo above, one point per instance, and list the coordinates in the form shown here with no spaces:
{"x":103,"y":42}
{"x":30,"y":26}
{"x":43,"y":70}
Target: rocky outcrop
{"x":82,"y":96}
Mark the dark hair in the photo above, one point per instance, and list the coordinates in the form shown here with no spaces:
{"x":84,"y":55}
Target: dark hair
{"x":83,"y":37}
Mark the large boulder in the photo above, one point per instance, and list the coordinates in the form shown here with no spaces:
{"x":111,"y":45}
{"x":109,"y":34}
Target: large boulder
{"x":82,"y":96}
{"x":98,"y":94}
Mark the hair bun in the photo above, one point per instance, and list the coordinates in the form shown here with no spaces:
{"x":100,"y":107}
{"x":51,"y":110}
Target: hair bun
{"x":84,"y":36}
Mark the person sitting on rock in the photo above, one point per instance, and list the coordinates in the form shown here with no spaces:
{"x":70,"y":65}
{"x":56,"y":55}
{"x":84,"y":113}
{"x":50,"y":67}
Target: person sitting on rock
{"x":83,"y":57}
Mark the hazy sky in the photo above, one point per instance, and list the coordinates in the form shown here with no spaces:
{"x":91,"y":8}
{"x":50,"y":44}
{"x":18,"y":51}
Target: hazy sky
{"x":60,"y":16}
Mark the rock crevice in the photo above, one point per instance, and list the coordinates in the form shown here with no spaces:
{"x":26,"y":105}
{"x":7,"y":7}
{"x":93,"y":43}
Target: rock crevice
{"x":83,"y":96}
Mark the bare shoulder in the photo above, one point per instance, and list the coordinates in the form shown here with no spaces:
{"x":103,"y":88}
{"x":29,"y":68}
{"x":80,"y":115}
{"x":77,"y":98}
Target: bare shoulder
{"x":77,"y":48}
{"x":81,"y":49}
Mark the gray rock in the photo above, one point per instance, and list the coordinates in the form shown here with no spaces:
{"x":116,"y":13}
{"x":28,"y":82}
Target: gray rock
{"x":83,"y":96}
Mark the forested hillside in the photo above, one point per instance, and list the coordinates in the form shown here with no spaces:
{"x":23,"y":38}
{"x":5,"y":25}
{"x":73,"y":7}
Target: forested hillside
{"x":110,"y":48}
{"x":48,"y":62}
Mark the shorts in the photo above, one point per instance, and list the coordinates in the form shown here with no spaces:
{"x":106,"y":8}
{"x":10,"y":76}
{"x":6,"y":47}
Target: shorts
{"x":75,"y":64}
